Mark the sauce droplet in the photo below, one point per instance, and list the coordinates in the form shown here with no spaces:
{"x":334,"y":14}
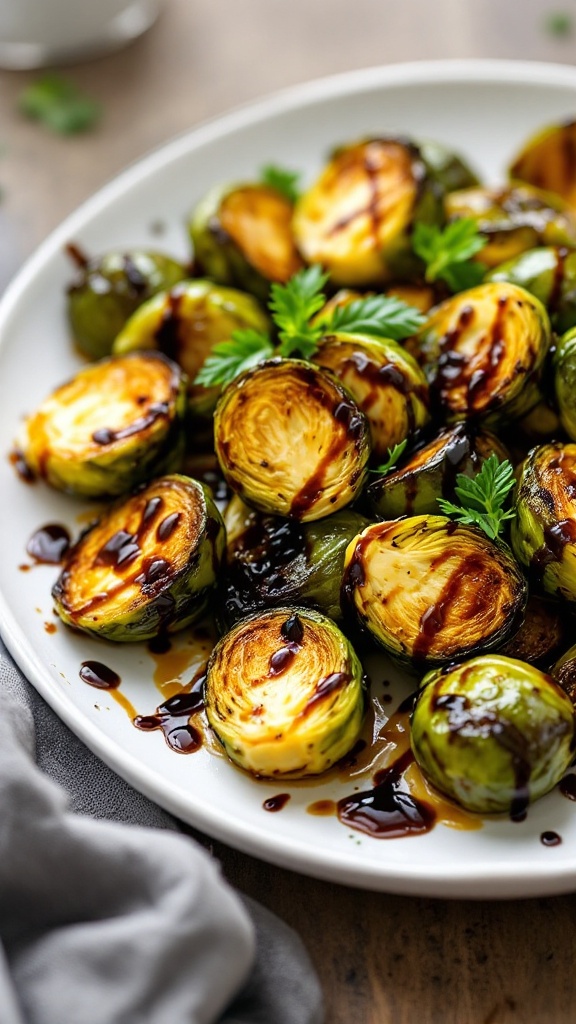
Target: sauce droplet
{"x":96,"y":674}
{"x":276,"y":803}
{"x":49,"y":544}
{"x":550,"y":839}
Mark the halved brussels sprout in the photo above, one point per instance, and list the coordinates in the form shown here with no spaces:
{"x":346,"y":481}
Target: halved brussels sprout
{"x":548,"y":273}
{"x":430,"y":472}
{"x":149,"y":565}
{"x":356,"y":219}
{"x":541,"y":633}
{"x":548,"y":161}
{"x":185,"y":323}
{"x":290,"y":440}
{"x":483,"y":352}
{"x":493,"y":733}
{"x":431,"y":591}
{"x":272,"y":561}
{"x":448,"y":168}
{"x":285,"y":694}
{"x":385,"y":381}
{"x":513,"y":218}
{"x":112,"y":426}
{"x":544,"y":529}
{"x":564,"y":364}
{"x":108,"y":290}
{"x":242,"y":235}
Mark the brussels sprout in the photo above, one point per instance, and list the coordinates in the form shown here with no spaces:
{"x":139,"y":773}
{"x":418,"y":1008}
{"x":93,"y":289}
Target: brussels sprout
{"x":385,"y":381}
{"x":290,"y":440}
{"x":421,"y":296}
{"x":548,"y":273}
{"x":430,"y":472}
{"x":513,"y":219}
{"x":285,"y":694}
{"x":108,"y":290}
{"x":185,"y":323}
{"x":272,"y":561}
{"x":112,"y":426}
{"x":541,"y":633}
{"x":544,"y":530}
{"x":564,"y":672}
{"x":431,"y":591}
{"x":483,"y":352}
{"x":448,"y":168}
{"x":493,"y":733}
{"x":548,"y":161}
{"x":357,"y":217}
{"x":564,"y":364}
{"x":242,"y":236}
{"x":541,"y":424}
{"x":149,"y":565}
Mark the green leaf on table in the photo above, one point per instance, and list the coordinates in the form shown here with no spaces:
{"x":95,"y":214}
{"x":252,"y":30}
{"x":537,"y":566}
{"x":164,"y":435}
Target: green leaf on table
{"x":447,"y":252}
{"x":60,"y":105}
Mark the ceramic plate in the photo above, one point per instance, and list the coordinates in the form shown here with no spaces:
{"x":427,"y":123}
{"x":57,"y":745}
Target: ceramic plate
{"x":486,"y":110}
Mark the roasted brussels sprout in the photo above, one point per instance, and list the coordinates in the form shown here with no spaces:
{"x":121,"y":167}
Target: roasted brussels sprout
{"x":448,"y":168}
{"x":483,"y":352}
{"x":284,"y":693}
{"x":98,"y":448}
{"x":564,"y":363}
{"x":431,"y":591}
{"x":272,"y":561}
{"x":149,"y":565}
{"x":107,"y":290}
{"x":290,"y":440}
{"x":185,"y":323}
{"x":513,"y":219}
{"x":493,"y":733}
{"x":564,"y":673}
{"x":544,"y":529}
{"x":430,"y":472}
{"x":548,"y":161}
{"x":242,"y":236}
{"x":357,"y":217}
{"x":541,"y":633}
{"x":548,"y":273}
{"x":385,"y":381}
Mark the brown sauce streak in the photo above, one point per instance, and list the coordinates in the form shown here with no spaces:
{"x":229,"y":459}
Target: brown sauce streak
{"x":24,"y":471}
{"x":276,"y":803}
{"x":48,"y":545}
{"x":99,"y":675}
{"x":172,"y":718}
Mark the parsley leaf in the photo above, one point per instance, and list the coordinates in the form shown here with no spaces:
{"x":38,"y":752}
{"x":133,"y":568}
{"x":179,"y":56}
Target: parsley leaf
{"x":558,"y":23}
{"x":242,"y":351}
{"x":393,"y":457}
{"x":447,"y":252}
{"x":483,"y":497}
{"x":293,"y":305}
{"x":382,"y":316}
{"x":284,"y":181}
{"x":60,"y":105}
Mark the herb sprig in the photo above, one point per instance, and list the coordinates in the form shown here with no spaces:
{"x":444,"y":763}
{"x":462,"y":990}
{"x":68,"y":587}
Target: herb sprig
{"x":394,"y":455}
{"x":447,"y":252}
{"x":59,"y":105}
{"x":483,"y":497}
{"x":283,"y":180}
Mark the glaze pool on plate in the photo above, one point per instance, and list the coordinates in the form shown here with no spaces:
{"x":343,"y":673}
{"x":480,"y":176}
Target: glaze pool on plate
{"x":486,"y":110}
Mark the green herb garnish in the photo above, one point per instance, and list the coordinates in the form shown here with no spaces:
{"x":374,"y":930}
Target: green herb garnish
{"x":447,"y":252}
{"x":229,"y":358}
{"x":483,"y":497}
{"x":284,"y":181}
{"x":394,"y":455}
{"x":293,"y":305}
{"x":558,"y":23}
{"x":60,"y":105}
{"x":381,"y":316}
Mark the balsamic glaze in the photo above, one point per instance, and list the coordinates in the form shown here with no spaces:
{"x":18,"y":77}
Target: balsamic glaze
{"x":173,"y":719}
{"x":550,"y":839}
{"x":96,"y":674}
{"x":49,"y":544}
{"x":22,"y":468}
{"x":276,"y":803}
{"x":387,"y":811}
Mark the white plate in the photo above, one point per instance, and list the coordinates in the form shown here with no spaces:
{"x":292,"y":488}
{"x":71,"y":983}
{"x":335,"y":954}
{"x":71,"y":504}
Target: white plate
{"x":486,"y":110}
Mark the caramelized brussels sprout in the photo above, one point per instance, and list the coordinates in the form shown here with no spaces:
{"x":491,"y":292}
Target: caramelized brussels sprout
{"x":290,"y":440}
{"x":548,"y":161}
{"x":448,"y":168}
{"x":107,"y":290}
{"x":84,"y":445}
{"x":483,"y":352}
{"x":564,"y":363}
{"x":541,"y":633}
{"x":185,"y":323}
{"x":544,"y":530}
{"x":513,"y":219}
{"x":430,"y":472}
{"x":493,"y":733}
{"x":272,"y":561}
{"x":284,"y":693}
{"x":149,"y":565}
{"x":548,"y":273}
{"x":385,"y":381}
{"x":432,"y":591}
{"x":242,"y":236}
{"x":541,"y":424}
{"x":357,"y":217}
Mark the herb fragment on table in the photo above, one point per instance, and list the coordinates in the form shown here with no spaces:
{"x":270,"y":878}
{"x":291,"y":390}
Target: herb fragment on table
{"x":447,"y":252}
{"x":394,"y":454}
{"x":60,"y":105}
{"x":483,"y":497}
{"x":283,"y":180}
{"x":559,"y":23}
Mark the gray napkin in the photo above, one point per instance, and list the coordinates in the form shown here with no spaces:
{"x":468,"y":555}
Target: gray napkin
{"x":104,"y":922}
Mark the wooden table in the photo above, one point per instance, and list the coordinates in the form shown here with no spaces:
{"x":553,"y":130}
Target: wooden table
{"x":382,"y":959}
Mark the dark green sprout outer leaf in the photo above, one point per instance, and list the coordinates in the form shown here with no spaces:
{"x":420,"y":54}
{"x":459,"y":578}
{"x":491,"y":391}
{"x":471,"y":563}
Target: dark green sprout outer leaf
{"x":493,"y":733}
{"x":109,"y":289}
{"x":430,"y":472}
{"x":564,"y":364}
{"x":149,"y":565}
{"x":272,"y":561}
{"x":291,"y":441}
{"x":544,"y":530}
{"x":285,"y":694}
{"x":544,"y":631}
{"x":84,"y":445}
{"x":431,"y":591}
{"x":186,"y":323}
{"x":548,"y":273}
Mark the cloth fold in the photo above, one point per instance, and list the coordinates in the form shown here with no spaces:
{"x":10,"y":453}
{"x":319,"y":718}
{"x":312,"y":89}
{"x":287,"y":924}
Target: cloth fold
{"x":112,"y":923}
